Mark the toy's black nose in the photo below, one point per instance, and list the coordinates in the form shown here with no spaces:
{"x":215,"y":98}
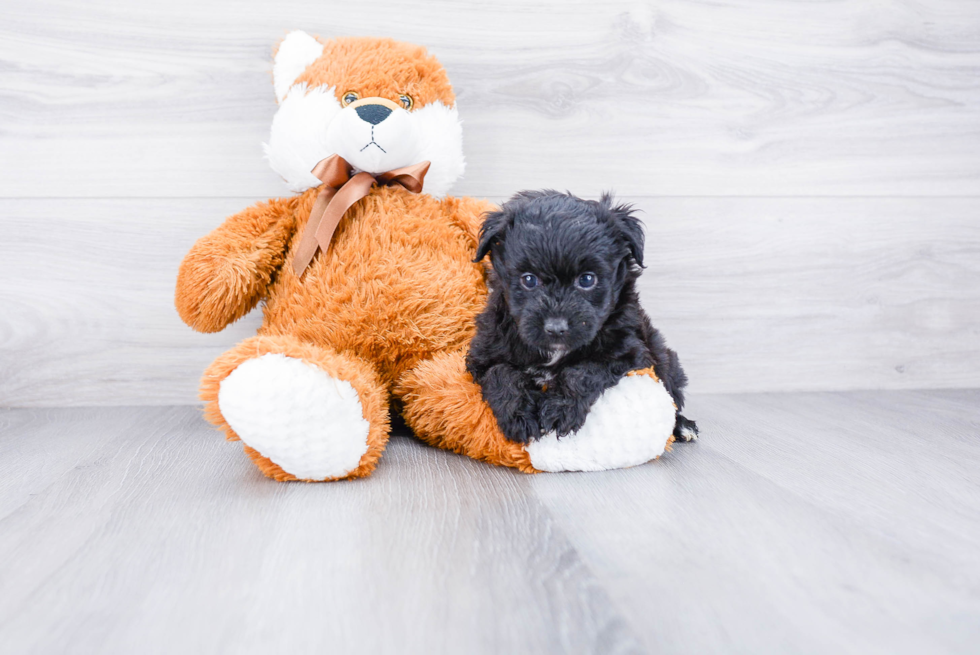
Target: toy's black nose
{"x":373,"y":114}
{"x":555,"y":327}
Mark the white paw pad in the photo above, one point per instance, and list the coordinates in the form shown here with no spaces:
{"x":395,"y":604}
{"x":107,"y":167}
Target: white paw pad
{"x":309,"y":423}
{"x":630,"y":424}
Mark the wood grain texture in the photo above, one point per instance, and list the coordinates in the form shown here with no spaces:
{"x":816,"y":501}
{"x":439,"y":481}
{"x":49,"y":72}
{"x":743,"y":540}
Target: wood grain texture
{"x":832,"y":522}
{"x":812,"y":293}
{"x":130,"y":132}
{"x":818,"y":523}
{"x":165,"y":538}
{"x":676,"y":97}
{"x":755,"y":294}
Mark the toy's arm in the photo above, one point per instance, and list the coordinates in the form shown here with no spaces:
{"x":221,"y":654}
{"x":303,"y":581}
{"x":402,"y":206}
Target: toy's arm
{"x":228,"y":271}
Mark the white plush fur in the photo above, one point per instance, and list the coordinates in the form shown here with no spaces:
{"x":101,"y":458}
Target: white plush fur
{"x":304,"y":420}
{"x":299,"y":134}
{"x":297,"y":51}
{"x":392,"y":143}
{"x":441,"y":142}
{"x":630,"y":424}
{"x":311,"y":125}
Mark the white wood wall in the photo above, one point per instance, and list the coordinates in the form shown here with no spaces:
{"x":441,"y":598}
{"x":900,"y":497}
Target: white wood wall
{"x":809,"y":172}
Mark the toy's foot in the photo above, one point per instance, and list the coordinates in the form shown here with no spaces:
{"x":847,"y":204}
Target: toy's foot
{"x":303,"y":413}
{"x":630,"y":424}
{"x":309,"y":423}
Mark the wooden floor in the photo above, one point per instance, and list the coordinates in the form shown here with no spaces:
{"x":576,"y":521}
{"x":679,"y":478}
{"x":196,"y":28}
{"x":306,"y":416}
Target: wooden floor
{"x":830,"y":522}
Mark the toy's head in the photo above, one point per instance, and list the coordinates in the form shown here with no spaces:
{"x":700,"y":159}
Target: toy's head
{"x":378,"y":103}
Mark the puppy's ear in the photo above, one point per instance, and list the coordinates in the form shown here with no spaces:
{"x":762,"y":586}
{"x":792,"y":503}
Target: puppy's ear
{"x":629,"y":226}
{"x":492,"y":232}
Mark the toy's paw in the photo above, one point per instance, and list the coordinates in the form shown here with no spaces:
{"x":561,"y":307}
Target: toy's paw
{"x":307,"y":422}
{"x":631,"y":423}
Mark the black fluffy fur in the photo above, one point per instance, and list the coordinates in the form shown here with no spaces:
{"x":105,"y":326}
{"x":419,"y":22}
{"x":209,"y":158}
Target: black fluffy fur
{"x":557,"y":238}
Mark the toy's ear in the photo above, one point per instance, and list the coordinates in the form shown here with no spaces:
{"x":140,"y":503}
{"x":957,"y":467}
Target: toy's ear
{"x":492,"y":233}
{"x":297,"y":51}
{"x":629,"y":226}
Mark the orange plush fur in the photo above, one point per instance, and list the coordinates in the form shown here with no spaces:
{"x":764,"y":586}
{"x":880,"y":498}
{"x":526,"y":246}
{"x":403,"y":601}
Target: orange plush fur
{"x":446,"y":408}
{"x":385,"y":313}
{"x":395,"y":291}
{"x":380,"y":68}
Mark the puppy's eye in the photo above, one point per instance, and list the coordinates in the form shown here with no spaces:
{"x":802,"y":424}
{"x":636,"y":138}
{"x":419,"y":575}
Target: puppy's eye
{"x":529,"y":281}
{"x":586,"y":280}
{"x":406,"y":100}
{"x":349,"y":97}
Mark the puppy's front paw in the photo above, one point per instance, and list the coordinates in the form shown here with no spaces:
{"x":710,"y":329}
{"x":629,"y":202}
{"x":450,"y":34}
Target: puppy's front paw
{"x":521,"y":427}
{"x":520,"y":422}
{"x":560,"y":415}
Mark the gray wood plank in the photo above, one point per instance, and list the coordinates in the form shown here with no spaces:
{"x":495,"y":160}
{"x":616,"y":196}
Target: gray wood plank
{"x":755,"y":294}
{"x":40,"y":450}
{"x":775,"y":294}
{"x":802,"y":523}
{"x":669,"y":98}
{"x":89,"y":315}
{"x":166,"y":539}
{"x":812,"y":523}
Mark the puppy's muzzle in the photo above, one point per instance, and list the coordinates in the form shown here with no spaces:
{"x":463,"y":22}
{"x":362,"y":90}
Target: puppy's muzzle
{"x":556,"y":328}
{"x":373,"y":110}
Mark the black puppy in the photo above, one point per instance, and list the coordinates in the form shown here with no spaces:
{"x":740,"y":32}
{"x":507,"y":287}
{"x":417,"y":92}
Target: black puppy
{"x":563,"y":322}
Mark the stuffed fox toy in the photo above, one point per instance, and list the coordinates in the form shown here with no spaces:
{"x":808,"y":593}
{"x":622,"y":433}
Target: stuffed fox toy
{"x":369,"y":285}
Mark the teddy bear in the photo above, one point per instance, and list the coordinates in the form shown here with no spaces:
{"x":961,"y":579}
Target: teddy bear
{"x":368,"y":284}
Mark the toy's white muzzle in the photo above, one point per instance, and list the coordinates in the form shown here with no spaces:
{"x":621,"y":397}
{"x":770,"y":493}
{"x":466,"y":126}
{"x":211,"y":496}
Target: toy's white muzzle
{"x":375,"y":135}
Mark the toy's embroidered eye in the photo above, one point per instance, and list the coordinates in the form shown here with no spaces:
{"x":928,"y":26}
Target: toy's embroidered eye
{"x":407,"y":101}
{"x":349,"y":97}
{"x":586,"y":281}
{"x":529,"y":281}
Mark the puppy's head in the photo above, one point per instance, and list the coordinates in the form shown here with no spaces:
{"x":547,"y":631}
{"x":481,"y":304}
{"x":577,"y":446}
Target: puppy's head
{"x":562,"y":263}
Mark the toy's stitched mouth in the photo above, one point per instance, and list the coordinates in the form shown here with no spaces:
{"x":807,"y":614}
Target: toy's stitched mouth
{"x":372,"y":142}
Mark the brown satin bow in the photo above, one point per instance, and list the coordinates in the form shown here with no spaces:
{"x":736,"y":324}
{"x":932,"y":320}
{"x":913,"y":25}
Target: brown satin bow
{"x":339,"y":192}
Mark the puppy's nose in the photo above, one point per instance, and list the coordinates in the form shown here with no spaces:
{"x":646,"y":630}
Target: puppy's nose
{"x":373,"y":113}
{"x":555,"y":327}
